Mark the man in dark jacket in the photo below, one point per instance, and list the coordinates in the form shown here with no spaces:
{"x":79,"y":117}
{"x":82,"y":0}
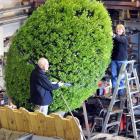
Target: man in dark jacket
{"x":119,"y":55}
{"x":41,"y":88}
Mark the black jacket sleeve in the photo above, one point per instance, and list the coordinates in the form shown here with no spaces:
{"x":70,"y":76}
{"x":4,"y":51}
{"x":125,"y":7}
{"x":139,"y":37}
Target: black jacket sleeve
{"x":45,"y":83}
{"x":121,"y":39}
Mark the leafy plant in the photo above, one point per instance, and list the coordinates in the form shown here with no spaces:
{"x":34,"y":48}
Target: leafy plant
{"x":74,"y":35}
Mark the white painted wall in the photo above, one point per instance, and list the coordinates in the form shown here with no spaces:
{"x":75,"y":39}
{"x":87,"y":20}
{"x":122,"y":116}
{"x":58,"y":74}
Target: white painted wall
{"x":7,"y":30}
{"x":1,"y":42}
{"x":10,"y":29}
{"x":9,"y":3}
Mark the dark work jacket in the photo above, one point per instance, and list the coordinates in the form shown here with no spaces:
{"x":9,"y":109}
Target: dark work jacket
{"x":120,"y":48}
{"x":41,"y":88}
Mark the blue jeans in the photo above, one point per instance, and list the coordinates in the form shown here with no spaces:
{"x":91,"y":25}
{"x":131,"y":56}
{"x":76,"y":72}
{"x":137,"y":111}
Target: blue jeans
{"x":115,"y":69}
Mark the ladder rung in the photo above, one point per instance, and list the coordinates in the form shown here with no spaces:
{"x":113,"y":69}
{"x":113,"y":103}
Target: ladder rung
{"x":114,"y":134}
{"x":132,"y":78}
{"x":137,"y":121}
{"x":113,"y":123}
{"x":134,"y":92}
{"x":131,"y":61}
{"x":117,"y":100}
{"x":123,"y":87}
{"x":134,"y":107}
{"x":116,"y":111}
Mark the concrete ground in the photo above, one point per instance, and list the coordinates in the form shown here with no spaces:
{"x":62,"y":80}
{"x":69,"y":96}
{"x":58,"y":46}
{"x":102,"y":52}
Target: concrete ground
{"x":103,"y":136}
{"x":6,"y":134}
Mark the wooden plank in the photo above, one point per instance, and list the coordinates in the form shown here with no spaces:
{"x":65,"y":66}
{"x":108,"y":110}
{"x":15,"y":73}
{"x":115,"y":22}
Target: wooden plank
{"x":15,"y":9}
{"x":0,"y":123}
{"x":41,"y":118}
{"x":11,"y":118}
{"x":39,"y":2}
{"x":3,"y":118}
{"x":50,"y":126}
{"x":59,"y":125}
{"x":34,"y":123}
{"x":19,"y":120}
{"x":117,"y":7}
{"x":72,"y":131}
{"x":75,"y":128}
{"x":26,"y":120}
{"x":120,"y":3}
{"x":7,"y":20}
{"x":68,"y":130}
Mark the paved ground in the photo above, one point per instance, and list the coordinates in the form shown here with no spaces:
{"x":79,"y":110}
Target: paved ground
{"x":103,"y":136}
{"x":6,"y":134}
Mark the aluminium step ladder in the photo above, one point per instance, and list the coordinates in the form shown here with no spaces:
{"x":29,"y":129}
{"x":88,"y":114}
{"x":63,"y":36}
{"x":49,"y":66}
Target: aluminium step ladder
{"x":129,"y":74}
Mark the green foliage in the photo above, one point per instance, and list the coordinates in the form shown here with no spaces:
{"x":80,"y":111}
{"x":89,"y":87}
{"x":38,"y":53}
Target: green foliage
{"x":74,"y":35}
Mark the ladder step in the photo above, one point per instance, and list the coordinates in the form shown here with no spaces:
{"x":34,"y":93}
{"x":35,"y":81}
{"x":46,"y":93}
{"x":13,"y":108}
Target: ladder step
{"x":137,"y":121}
{"x":117,"y":100}
{"x":132,"y":78}
{"x":116,"y":111}
{"x":114,"y":134}
{"x":123,"y":87}
{"x":113,"y":123}
{"x":134,"y":107}
{"x":134,"y":92}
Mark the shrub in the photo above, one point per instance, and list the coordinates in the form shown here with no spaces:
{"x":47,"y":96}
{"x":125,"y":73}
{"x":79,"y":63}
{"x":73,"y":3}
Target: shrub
{"x":74,"y":35}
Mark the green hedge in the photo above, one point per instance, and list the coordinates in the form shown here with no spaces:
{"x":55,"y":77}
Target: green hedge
{"x":74,"y":35}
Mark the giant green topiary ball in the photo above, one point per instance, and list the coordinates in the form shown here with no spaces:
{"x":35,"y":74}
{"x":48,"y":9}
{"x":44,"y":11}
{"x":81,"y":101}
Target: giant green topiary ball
{"x":74,"y":35}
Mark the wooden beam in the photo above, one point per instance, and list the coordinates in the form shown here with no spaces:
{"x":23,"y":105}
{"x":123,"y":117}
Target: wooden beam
{"x":122,"y":5}
{"x":12,"y":19}
{"x":15,"y":9}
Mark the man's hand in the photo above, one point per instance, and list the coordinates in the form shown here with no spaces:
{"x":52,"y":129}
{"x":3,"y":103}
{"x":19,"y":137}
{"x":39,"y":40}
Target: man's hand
{"x":54,"y":82}
{"x":11,"y":105}
{"x":61,"y":84}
